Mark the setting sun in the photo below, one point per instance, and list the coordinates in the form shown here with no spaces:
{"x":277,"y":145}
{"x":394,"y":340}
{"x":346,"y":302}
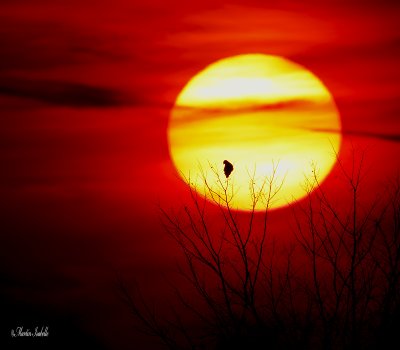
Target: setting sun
{"x":261,"y":113}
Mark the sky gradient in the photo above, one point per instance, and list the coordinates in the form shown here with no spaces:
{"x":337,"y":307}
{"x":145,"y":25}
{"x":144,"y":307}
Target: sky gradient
{"x":86,"y":90}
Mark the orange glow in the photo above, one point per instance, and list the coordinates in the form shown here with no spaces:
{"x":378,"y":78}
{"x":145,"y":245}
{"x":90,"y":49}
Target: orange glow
{"x":257,"y":111}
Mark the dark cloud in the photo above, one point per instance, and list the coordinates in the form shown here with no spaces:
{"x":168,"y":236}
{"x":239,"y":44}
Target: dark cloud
{"x":62,"y":93}
{"x":386,"y":137}
{"x":358,"y":133}
{"x":194,"y":114}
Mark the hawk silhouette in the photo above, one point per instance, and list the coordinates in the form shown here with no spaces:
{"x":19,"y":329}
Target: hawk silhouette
{"x":228,"y":168}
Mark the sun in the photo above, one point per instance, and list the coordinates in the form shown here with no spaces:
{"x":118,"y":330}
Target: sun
{"x":268,"y":116}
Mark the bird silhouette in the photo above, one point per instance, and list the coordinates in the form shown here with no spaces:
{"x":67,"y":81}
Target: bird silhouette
{"x":228,"y":168}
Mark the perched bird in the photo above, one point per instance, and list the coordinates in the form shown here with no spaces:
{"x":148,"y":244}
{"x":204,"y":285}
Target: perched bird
{"x":228,"y":168}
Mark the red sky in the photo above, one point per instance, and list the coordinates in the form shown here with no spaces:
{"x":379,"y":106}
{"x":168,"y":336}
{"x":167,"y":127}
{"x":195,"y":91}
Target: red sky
{"x":85,"y":94}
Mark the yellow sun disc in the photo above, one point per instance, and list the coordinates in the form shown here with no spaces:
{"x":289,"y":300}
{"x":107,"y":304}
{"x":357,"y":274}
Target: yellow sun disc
{"x":271,"y":118}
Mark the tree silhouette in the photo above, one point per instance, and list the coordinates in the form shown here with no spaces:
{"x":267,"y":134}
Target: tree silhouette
{"x":353,"y":259}
{"x":335,"y":287}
